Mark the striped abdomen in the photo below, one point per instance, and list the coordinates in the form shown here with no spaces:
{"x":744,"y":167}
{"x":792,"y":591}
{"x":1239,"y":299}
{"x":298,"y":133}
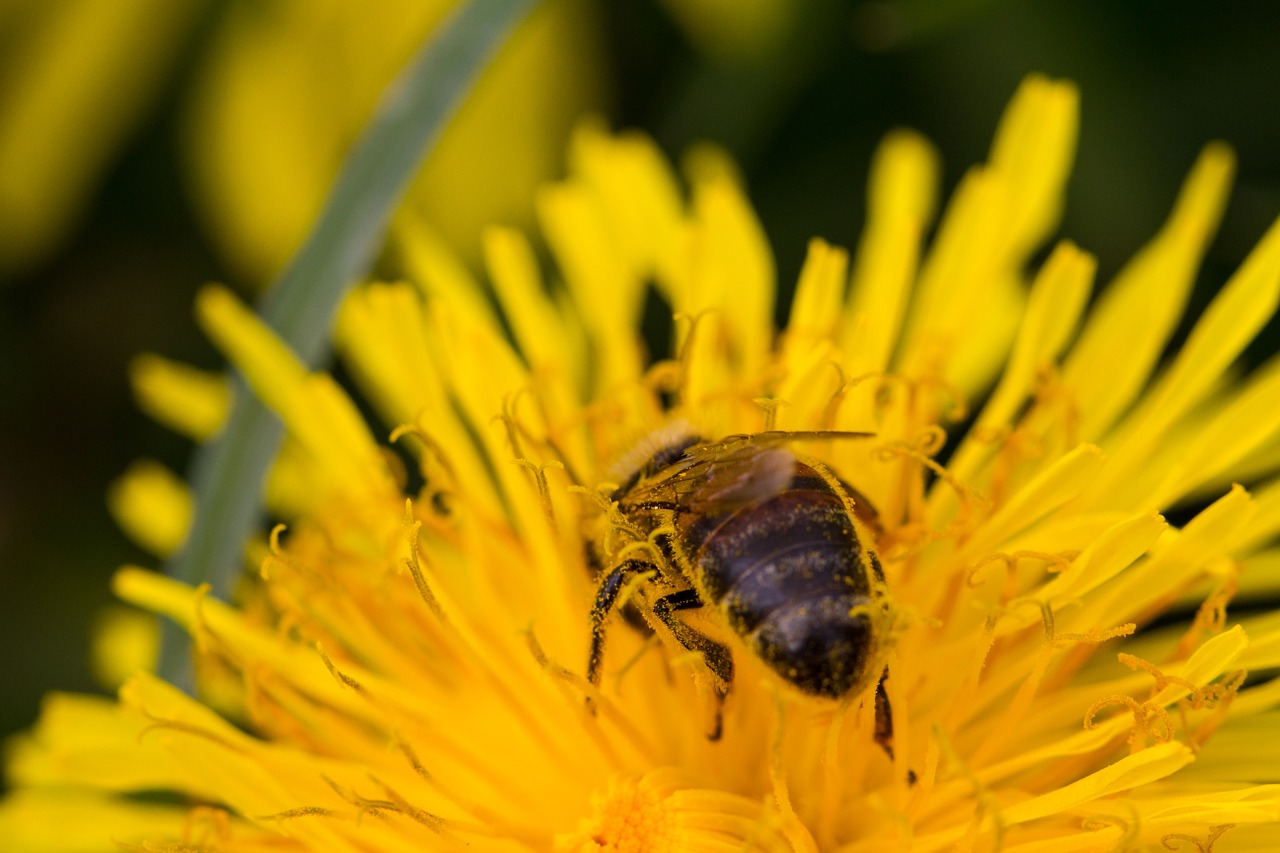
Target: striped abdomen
{"x":786,"y":571}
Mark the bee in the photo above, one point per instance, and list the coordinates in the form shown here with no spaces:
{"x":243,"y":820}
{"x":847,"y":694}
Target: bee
{"x":780,"y":548}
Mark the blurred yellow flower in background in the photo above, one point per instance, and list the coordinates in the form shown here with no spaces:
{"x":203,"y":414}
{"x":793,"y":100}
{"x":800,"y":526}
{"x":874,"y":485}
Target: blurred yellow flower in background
{"x":281,"y":91}
{"x":287,"y":86}
{"x":408,"y":674}
{"x":76,"y":77}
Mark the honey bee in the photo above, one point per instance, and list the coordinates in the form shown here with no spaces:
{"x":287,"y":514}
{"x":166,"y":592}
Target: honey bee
{"x":780,"y":548}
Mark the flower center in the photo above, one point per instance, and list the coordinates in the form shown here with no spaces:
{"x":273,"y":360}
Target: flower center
{"x":629,"y":817}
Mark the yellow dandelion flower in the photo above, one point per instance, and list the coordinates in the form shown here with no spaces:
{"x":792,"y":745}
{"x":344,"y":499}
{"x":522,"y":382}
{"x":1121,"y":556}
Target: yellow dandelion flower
{"x":76,"y":79}
{"x":966,"y":628}
{"x":279,"y":95}
{"x":302,"y":80}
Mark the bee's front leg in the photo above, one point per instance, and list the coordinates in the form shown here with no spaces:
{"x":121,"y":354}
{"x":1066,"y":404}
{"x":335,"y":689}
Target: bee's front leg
{"x":607,"y":592}
{"x":717,"y":655}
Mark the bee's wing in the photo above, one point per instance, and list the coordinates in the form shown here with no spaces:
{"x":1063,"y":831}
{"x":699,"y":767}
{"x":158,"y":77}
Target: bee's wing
{"x":742,"y":476}
{"x":741,"y":469}
{"x":717,"y":477}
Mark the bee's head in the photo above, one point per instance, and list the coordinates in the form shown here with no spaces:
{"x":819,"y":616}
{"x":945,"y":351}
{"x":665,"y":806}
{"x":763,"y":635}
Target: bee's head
{"x":652,"y":453}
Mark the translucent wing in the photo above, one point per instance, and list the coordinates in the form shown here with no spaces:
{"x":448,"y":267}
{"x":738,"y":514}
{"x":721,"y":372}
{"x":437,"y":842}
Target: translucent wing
{"x":741,"y":476}
{"x":720,"y":476}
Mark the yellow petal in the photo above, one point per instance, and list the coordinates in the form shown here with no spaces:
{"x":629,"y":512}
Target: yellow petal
{"x":270,"y":368}
{"x":75,"y":81}
{"x":610,"y":295}
{"x":383,"y":335}
{"x":546,"y":342}
{"x":815,"y":309}
{"x":184,"y":398}
{"x":964,"y":268}
{"x":394,"y":362}
{"x":533,"y":317}
{"x":1214,"y":657}
{"x":901,"y":197}
{"x":1245,"y":750}
{"x":1228,"y":324}
{"x":152,"y":505}
{"x":1058,"y":296}
{"x":1132,"y":771}
{"x":1181,"y":559}
{"x":963,"y":316}
{"x":728,"y":268}
{"x":313,"y":408}
{"x":329,"y":427}
{"x":1137,"y":312}
{"x":1110,"y":554}
{"x":1053,"y":486}
{"x":436,"y":269}
{"x":123,"y":641}
{"x":272,"y":79}
{"x":1034,"y":148}
{"x":60,"y":821}
{"x":293,"y":483}
{"x":92,"y":741}
{"x":1247,"y":422}
{"x":637,"y":193}
{"x":1259,"y":576}
{"x":162,"y":595}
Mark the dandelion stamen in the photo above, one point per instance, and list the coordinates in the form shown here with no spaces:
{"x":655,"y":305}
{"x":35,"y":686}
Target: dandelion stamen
{"x":832,"y":789}
{"x":770,"y":407}
{"x":1148,"y":720}
{"x":539,"y":474}
{"x":419,"y":579}
{"x":301,"y":811}
{"x":211,"y":819}
{"x":1219,"y":698}
{"x":1161,"y":679}
{"x":1130,"y":830}
{"x":340,"y":676}
{"x":1173,"y":840}
{"x":794,"y":829}
{"x":433,"y":451}
{"x":433,"y":822}
{"x":921,"y":450}
{"x":586,"y":700}
{"x":158,"y":725}
{"x":1211,"y":616}
{"x":985,"y":805}
{"x":490,"y":821}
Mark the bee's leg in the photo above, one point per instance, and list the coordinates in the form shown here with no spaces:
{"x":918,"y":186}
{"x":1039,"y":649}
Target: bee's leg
{"x":717,"y":655}
{"x":884,"y":717}
{"x":884,"y":723}
{"x":630,"y":610}
{"x":607,"y":592}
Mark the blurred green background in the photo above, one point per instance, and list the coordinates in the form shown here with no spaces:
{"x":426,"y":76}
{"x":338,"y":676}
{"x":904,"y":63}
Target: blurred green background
{"x":802,"y":110}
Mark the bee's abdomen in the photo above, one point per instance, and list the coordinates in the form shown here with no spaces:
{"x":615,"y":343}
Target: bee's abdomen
{"x":786,"y":573}
{"x":797,"y":543}
{"x":816,"y":644}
